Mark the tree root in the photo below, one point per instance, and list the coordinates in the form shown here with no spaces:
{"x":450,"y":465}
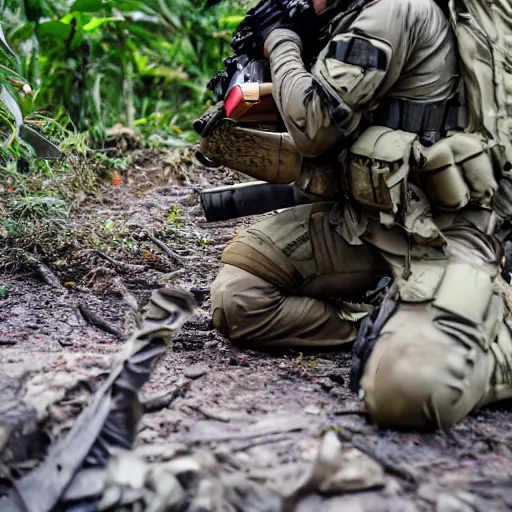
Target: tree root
{"x":49,"y":277}
{"x":162,"y":401}
{"x":390,"y":467}
{"x":97,"y":321}
{"x":177,"y":260}
{"x":121,"y":265}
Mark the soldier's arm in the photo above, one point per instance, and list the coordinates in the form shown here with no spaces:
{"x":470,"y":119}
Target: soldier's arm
{"x":306,"y":119}
{"x":321,"y":107}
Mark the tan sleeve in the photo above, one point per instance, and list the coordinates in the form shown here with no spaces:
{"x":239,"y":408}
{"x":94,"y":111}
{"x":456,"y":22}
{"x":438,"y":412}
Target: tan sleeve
{"x":306,"y":118}
{"x":399,"y":32}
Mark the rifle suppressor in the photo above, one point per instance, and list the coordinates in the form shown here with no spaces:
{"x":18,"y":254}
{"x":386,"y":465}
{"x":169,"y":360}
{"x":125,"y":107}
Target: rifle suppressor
{"x":251,"y":198}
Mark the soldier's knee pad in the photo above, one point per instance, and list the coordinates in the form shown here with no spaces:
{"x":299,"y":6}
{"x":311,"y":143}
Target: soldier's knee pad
{"x":415,"y":375}
{"x":241,"y":303}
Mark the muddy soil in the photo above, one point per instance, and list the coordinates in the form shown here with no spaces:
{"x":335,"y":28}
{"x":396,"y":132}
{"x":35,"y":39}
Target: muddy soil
{"x":256,"y":409}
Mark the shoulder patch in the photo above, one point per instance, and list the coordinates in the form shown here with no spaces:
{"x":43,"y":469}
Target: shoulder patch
{"x":358,"y":52}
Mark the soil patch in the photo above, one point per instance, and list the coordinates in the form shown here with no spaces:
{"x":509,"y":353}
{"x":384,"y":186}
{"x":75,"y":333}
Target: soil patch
{"x":58,"y":339}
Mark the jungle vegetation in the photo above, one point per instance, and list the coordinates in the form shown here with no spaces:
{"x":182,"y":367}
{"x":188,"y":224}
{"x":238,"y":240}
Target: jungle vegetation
{"x":76,"y":68}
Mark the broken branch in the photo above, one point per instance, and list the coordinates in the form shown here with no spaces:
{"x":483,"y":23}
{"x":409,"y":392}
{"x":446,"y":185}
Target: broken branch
{"x":49,"y":277}
{"x":165,"y":249}
{"x":161,"y":401}
{"x":121,"y":265}
{"x":97,"y":321}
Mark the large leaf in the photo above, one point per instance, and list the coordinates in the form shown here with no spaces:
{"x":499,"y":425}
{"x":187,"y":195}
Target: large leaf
{"x":12,"y":105}
{"x":6,"y":44}
{"x":23,"y":32}
{"x":42,"y":146}
{"x":96,"y":23}
{"x":87,"y":6}
{"x":55,"y":29}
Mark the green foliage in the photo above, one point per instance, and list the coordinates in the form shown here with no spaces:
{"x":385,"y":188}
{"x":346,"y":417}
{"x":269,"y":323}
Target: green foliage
{"x":141,"y":63}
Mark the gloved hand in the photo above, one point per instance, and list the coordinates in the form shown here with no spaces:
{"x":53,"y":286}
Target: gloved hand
{"x":269,"y":15}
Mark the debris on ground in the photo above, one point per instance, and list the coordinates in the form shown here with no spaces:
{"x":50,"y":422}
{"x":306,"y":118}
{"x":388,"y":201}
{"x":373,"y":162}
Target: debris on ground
{"x":256,"y":418}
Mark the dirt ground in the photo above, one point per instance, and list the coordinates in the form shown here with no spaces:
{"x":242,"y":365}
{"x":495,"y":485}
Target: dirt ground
{"x":255,"y":409}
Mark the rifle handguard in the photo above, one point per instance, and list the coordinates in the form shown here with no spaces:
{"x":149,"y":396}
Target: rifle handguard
{"x":269,"y":156}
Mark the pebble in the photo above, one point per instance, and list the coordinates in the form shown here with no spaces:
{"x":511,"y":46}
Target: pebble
{"x":195,"y":371}
{"x":327,"y":384}
{"x":337,"y":392}
{"x":312,"y":409}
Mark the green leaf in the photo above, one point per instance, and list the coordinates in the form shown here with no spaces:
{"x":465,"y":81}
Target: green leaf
{"x":109,"y":225}
{"x":4,"y":291}
{"x":231,"y":22}
{"x":42,"y":146}
{"x":23,"y":32}
{"x":98,"y":22}
{"x":6,"y":44}
{"x":55,"y":29}
{"x":12,"y":105}
{"x":87,"y":6}
{"x":133,"y":6}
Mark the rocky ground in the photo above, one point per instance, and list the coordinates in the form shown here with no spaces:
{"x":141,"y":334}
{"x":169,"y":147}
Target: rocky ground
{"x":64,"y":317}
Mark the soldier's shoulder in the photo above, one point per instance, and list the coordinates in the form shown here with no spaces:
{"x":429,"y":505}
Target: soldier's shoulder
{"x":412,"y":7}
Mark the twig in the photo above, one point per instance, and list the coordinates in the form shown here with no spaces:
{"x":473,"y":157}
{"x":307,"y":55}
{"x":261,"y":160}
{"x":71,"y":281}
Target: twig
{"x":49,"y":277}
{"x":209,"y":414}
{"x":97,"y":321}
{"x":161,"y":401}
{"x":127,"y":297}
{"x":121,"y":265}
{"x":390,"y":467}
{"x":154,"y":279}
{"x":165,"y":249}
{"x":348,"y":412}
{"x":275,"y":438}
{"x":6,"y":341}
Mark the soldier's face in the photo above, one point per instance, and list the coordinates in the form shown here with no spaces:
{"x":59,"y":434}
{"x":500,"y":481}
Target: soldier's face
{"x":320,"y":5}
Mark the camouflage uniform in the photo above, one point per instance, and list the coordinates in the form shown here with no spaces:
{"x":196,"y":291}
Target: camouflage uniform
{"x":443,"y":347}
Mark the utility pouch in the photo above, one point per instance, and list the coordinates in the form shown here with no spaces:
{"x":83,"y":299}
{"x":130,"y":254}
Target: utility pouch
{"x":457,"y":171}
{"x":379,"y":166}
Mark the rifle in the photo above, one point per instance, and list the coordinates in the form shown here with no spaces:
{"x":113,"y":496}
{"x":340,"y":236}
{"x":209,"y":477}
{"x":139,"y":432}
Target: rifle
{"x":248,"y":65}
{"x":244,"y":92}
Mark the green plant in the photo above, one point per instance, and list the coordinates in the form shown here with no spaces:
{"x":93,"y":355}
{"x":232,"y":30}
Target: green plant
{"x":142,"y":63}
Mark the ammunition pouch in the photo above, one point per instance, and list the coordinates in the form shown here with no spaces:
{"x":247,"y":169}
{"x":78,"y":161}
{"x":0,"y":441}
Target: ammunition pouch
{"x":452,"y":173}
{"x":379,"y":167}
{"x":458,"y":171}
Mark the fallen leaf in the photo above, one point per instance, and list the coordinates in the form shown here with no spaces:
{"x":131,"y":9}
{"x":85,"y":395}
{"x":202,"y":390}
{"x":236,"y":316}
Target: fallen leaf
{"x":116,"y":180}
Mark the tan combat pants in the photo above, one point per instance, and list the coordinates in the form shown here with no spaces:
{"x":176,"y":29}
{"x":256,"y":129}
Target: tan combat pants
{"x":427,"y":368}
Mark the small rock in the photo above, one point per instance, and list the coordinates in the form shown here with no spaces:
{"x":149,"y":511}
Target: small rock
{"x":336,"y":392}
{"x":195,"y":371}
{"x":327,"y":384}
{"x":448,"y":503}
{"x":147,"y":435}
{"x":312,"y":409}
